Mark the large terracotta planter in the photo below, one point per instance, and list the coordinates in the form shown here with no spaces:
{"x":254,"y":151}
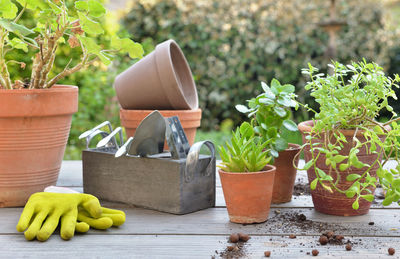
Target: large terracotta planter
{"x":336,"y":203}
{"x":285,"y":175}
{"x":161,"y":80}
{"x":34,"y":129}
{"x":248,"y":195}
{"x":190,"y":120}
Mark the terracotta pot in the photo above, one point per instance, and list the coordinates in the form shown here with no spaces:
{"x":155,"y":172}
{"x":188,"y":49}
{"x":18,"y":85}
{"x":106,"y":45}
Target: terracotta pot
{"x":285,"y":175}
{"x":161,"y":80}
{"x":34,"y":129}
{"x":248,"y":195}
{"x":336,"y":203}
{"x":190,"y":120}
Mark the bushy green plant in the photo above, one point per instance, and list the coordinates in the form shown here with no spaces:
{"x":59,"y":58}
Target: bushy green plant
{"x":257,"y":41}
{"x":244,"y":153}
{"x":270,"y":111}
{"x":56,"y":24}
{"x":352,"y":98}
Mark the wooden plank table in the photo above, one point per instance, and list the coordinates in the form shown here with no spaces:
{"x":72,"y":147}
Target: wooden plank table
{"x":204,"y":234}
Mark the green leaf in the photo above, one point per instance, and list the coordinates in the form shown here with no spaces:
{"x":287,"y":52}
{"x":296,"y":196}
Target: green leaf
{"x":33,"y":4}
{"x":280,"y":111}
{"x":355,"y":205}
{"x":134,"y":49}
{"x":378,"y":130}
{"x":350,"y":193}
{"x":266,"y":101}
{"x":288,"y":88}
{"x":241,"y":108}
{"x":281,"y":144}
{"x":275,"y":86}
{"x":352,"y":177}
{"x":89,"y":26}
{"x":246,"y":130}
{"x":15,"y":28}
{"x":308,"y":165}
{"x":8,"y":9}
{"x":56,"y":9}
{"x":343,"y":167}
{"x":290,"y":125}
{"x":321,"y":173}
{"x":265,"y":87}
{"x":313,"y":184}
{"x":82,"y":5}
{"x":274,"y":153}
{"x":368,"y":197}
{"x":19,"y":44}
{"x":339,"y":158}
{"x":93,"y":48}
{"x":96,"y":9}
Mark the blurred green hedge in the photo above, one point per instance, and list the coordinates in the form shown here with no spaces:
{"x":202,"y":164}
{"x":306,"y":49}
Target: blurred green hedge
{"x":232,"y":45}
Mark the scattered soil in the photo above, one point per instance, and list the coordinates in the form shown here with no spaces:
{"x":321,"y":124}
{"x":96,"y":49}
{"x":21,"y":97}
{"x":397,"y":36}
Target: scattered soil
{"x":238,"y":249}
{"x":291,"y":236}
{"x":315,"y":252}
{"x":267,"y":253}
{"x":391,"y":251}
{"x":348,"y":247}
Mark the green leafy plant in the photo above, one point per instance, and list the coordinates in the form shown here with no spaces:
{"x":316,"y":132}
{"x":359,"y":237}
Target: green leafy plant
{"x":245,"y":153}
{"x":270,"y":111}
{"x":56,"y":24}
{"x":352,"y":98}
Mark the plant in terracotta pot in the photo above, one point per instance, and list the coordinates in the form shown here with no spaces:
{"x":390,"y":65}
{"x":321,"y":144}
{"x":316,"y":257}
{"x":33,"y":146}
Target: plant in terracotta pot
{"x":270,"y":112}
{"x":35,"y":113}
{"x":247,"y":180}
{"x":346,"y":148}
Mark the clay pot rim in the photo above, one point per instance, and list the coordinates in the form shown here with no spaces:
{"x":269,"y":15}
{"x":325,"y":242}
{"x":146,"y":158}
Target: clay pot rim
{"x":268,"y":169}
{"x":306,"y":127}
{"x":292,"y":147}
{"x":53,"y":89}
{"x":178,"y":92}
{"x":166,"y":111}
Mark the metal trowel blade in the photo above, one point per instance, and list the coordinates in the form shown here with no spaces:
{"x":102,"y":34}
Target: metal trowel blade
{"x":149,"y":136}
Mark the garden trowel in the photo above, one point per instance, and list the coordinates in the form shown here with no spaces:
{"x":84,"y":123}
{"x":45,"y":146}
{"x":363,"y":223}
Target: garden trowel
{"x":149,"y":137}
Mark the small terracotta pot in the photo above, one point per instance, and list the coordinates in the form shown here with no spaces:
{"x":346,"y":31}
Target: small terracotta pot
{"x":161,"y":80}
{"x":336,"y":203}
{"x":190,"y":120}
{"x":285,"y":175}
{"x":248,"y":195}
{"x":34,"y":129}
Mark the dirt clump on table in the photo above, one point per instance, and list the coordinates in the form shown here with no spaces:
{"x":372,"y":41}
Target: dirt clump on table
{"x":237,"y":248}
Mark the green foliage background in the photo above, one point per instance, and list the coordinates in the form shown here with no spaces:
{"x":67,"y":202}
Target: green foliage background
{"x":231,"y":46}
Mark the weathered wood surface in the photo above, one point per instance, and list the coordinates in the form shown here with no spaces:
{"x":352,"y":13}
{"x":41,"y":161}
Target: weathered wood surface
{"x":187,"y":246}
{"x":151,"y":234}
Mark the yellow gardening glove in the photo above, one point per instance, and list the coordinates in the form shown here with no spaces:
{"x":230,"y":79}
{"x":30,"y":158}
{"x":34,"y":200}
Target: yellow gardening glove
{"x":108,"y":218}
{"x":44,"y":210}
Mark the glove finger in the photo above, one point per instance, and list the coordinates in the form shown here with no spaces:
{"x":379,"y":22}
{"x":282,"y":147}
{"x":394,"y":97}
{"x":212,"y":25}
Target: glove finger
{"x":111,"y":211}
{"x":92,"y":205}
{"x":81,"y":227}
{"x":68,"y":222}
{"x":118,"y":219}
{"x":34,"y":228}
{"x":25,"y":217}
{"x":100,"y":223}
{"x":49,"y":226}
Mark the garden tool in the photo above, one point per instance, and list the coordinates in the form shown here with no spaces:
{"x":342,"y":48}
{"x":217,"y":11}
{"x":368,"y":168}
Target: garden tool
{"x":101,"y":125}
{"x":193,"y":159}
{"x":94,"y":134}
{"x":176,"y":138}
{"x":111,"y":136}
{"x":44,"y":210}
{"x":149,"y":137}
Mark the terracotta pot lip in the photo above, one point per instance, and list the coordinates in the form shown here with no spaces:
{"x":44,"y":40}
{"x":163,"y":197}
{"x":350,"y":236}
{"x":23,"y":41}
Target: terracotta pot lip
{"x":54,"y":89}
{"x":268,"y":169}
{"x":306,"y":126}
{"x":293,"y":147}
{"x":178,"y":92}
{"x":198,"y":110}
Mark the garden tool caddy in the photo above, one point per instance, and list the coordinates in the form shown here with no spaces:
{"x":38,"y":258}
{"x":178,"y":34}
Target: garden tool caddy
{"x":139,"y":172}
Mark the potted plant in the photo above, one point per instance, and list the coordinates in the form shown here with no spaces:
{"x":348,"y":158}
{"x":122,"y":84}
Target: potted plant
{"x":246,"y":179}
{"x":346,"y":148}
{"x":35,"y":113}
{"x":270,"y":113}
